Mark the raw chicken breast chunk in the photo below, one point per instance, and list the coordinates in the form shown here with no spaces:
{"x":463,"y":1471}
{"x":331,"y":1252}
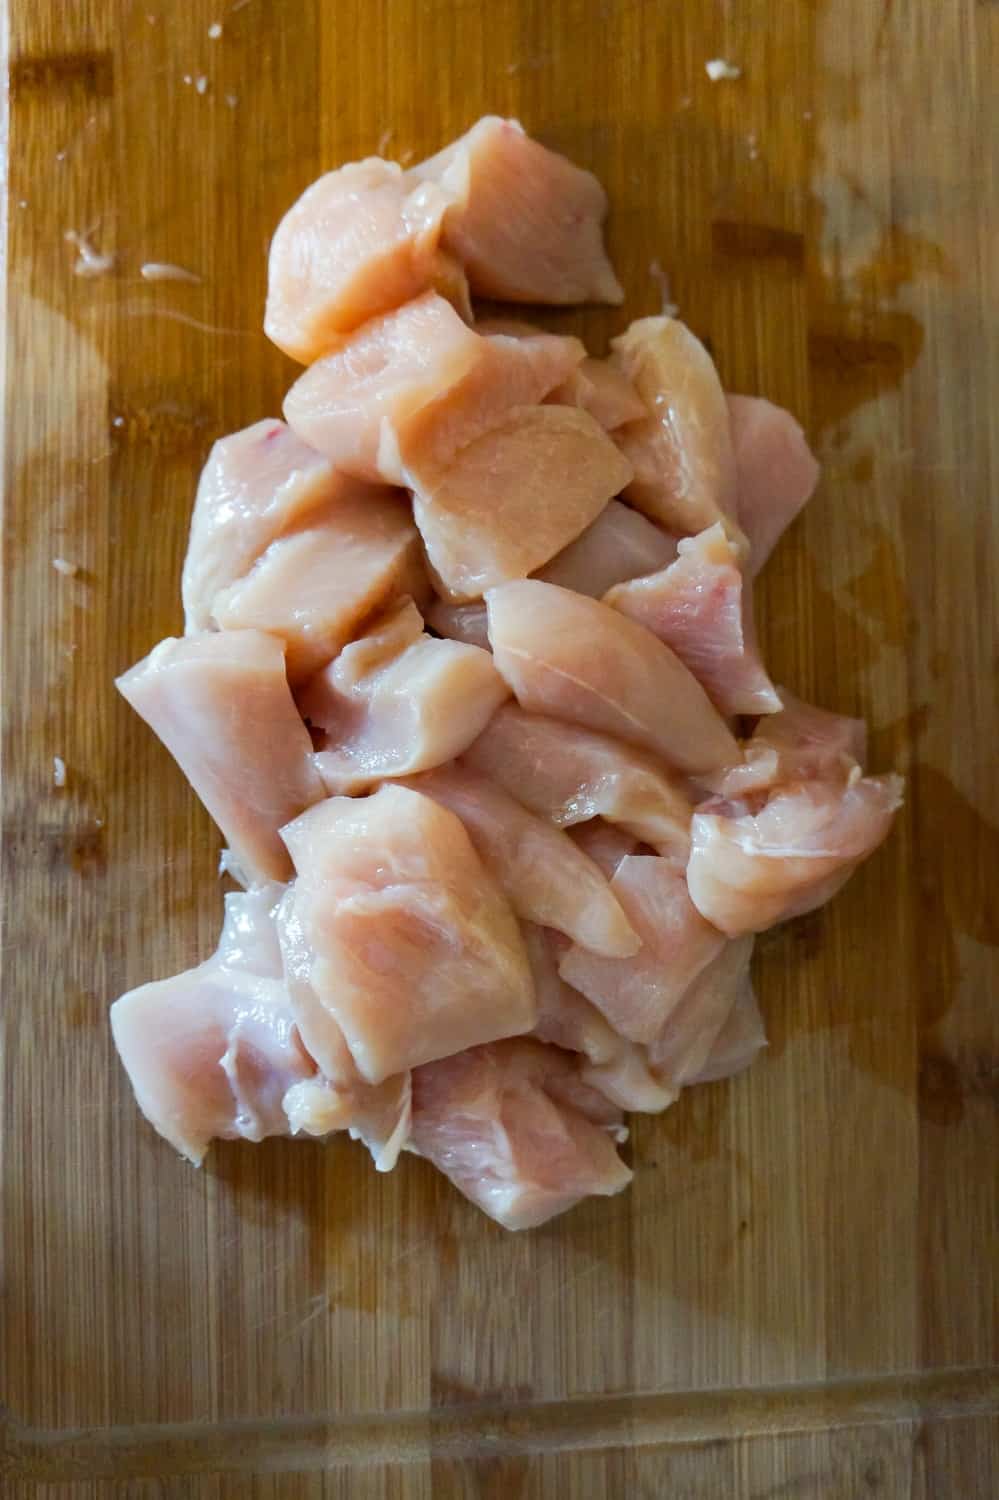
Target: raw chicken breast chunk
{"x":681,"y":450}
{"x":358,"y":242}
{"x":398,"y":701}
{"x":701,"y":607}
{"x":399,"y":398}
{"x":568,"y":775}
{"x":410,"y":945}
{"x":222,"y":706}
{"x":749,"y":869}
{"x":499,"y":1122}
{"x":776,"y":472}
{"x":547,"y":879}
{"x":638,"y":995}
{"x":216,"y":1053}
{"x":318,"y":585}
{"x":576,"y":659}
{"x":256,"y":484}
{"x":525,"y":223}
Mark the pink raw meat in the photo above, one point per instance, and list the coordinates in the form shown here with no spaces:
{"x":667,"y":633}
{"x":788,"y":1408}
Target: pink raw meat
{"x":406,"y":941}
{"x":221,"y":705}
{"x":749,"y":869}
{"x":576,"y":659}
{"x":496,"y":1120}
{"x":776,"y":472}
{"x":701,"y":607}
{"x":523,"y":221}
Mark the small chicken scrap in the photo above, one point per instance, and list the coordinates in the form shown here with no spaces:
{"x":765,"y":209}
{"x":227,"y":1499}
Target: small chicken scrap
{"x":470,"y":684}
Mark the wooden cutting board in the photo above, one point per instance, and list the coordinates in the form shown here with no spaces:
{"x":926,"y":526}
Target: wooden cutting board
{"x":799,"y":1294}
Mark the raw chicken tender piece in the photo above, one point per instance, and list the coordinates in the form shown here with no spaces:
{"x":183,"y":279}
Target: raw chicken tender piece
{"x":398,"y":701}
{"x":601,"y":389}
{"x":576,"y":659}
{"x":399,"y":398}
{"x":616,"y":1068}
{"x":515,"y":496}
{"x":547,"y":879}
{"x":256,"y":484}
{"x":569,"y":775}
{"x":358,"y":242}
{"x":525,"y":223}
{"x":512,"y":371}
{"x":801,"y":743}
{"x":460,"y":622}
{"x":405,"y":938}
{"x":740,"y":1040}
{"x":680,"y":1052}
{"x":749,"y":869}
{"x":638,"y":995}
{"x":211,"y":1055}
{"x":681,"y":450}
{"x":216,"y":1053}
{"x":776,"y":472}
{"x":498,"y":1122}
{"x":222,"y":706}
{"x":620,"y":544}
{"x":701,"y":607}
{"x":605,"y":844}
{"x":315,"y":587}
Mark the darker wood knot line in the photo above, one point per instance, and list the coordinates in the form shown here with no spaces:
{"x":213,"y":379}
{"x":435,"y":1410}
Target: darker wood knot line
{"x":91,"y":72}
{"x":742,"y":241}
{"x":850,"y":354}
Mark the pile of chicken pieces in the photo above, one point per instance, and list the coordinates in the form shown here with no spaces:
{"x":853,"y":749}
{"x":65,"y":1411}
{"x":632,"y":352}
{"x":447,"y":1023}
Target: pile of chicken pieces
{"x":470,"y":684}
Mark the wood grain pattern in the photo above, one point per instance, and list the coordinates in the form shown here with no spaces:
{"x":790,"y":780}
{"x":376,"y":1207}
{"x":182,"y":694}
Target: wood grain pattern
{"x":829,"y":224}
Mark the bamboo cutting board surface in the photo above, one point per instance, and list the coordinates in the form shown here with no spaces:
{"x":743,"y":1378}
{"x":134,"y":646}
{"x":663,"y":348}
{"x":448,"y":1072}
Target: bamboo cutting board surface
{"x":798,"y":1296}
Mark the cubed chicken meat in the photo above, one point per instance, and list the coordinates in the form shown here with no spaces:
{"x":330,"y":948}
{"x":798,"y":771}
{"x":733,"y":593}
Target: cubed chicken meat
{"x":680,"y":1052}
{"x":801,"y":743}
{"x":740,"y":1040}
{"x":612,"y":1065}
{"x":638,"y":995}
{"x":316,"y":586}
{"x":216,"y":1053}
{"x":524,"y":222}
{"x":497,"y":1121}
{"x":750,"y":868}
{"x":460,"y":622}
{"x":602,"y":390}
{"x":399,"y":397}
{"x":569,"y":774}
{"x":397,"y":701}
{"x":410,"y":945}
{"x":358,"y":242}
{"x":701,"y":606}
{"x":620,"y":544}
{"x":257,"y":484}
{"x":776,"y":472}
{"x":515,"y":496}
{"x":576,"y":659}
{"x":681,"y":450}
{"x":547,"y":879}
{"x":221,"y":704}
